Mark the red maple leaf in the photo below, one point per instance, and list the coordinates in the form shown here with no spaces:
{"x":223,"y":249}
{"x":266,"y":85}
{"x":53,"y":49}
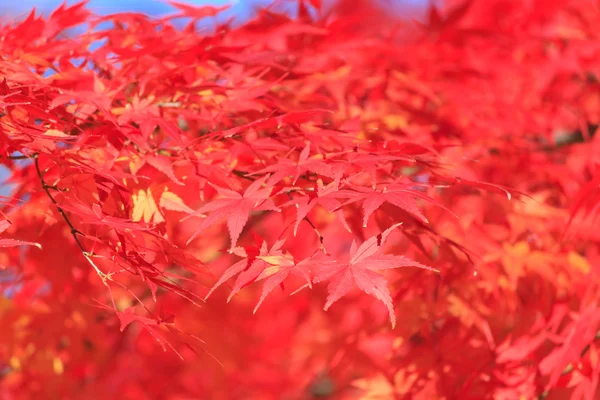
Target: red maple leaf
{"x":360,"y":270}
{"x":280,"y":267}
{"x":4,"y":224}
{"x":285,"y":167}
{"x":235,"y":207}
{"x":197,"y":13}
{"x":400,"y":195}
{"x":272,"y":265}
{"x":327,"y":196}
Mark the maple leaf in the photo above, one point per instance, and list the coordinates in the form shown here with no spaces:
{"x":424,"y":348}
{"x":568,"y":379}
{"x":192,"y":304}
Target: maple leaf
{"x":197,"y":13}
{"x":360,"y":270}
{"x":327,"y":196}
{"x":285,"y":167}
{"x":370,"y":163}
{"x":95,"y":215}
{"x":587,"y":198}
{"x":14,"y":243}
{"x":159,"y":162}
{"x":128,"y":316}
{"x":279,"y":269}
{"x":170,"y":201}
{"x":4,"y":225}
{"x":144,"y":207}
{"x":235,"y":207}
{"x":576,"y":336}
{"x":520,"y":349}
{"x":326,"y":95}
{"x":4,"y":104}
{"x":164,"y":165}
{"x":397,"y":194}
{"x":272,"y":265}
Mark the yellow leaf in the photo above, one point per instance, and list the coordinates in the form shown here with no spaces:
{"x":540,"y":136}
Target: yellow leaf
{"x":58,"y":366}
{"x":376,"y":388}
{"x":35,"y":60}
{"x":170,"y":201}
{"x":276,"y":262}
{"x":129,"y":40}
{"x":395,"y":121}
{"x":285,"y":260}
{"x":578,"y":262}
{"x":520,"y":249}
{"x":135,"y":164}
{"x":267,"y":272}
{"x":15,"y":363}
{"x":405,"y":379}
{"x":144,"y":207}
{"x":78,"y":319}
{"x":55,"y":133}
{"x":538,"y":206}
{"x":118,"y":110}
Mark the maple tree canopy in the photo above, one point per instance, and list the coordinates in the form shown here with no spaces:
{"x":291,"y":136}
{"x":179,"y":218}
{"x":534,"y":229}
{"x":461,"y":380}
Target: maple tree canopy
{"x":341,"y":204}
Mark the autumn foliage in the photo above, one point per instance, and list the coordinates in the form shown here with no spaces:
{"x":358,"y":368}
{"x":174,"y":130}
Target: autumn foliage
{"x":338,"y":204}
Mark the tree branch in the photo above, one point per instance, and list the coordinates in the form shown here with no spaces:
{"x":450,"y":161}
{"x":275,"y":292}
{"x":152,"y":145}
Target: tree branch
{"x":21,"y":157}
{"x":74,"y":231}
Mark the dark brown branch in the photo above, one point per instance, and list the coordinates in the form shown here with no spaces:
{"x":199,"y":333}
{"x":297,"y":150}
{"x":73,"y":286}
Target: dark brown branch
{"x":21,"y":157}
{"x":74,"y":232}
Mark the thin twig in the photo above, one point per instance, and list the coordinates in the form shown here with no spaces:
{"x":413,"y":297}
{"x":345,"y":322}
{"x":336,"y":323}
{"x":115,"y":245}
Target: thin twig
{"x":321,"y":238}
{"x":74,"y":231}
{"x":169,"y":104}
{"x":21,"y":157}
{"x":242,"y":174}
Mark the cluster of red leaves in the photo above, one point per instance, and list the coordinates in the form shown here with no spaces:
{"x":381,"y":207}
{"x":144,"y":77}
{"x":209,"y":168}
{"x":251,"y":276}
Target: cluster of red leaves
{"x":150,"y":166}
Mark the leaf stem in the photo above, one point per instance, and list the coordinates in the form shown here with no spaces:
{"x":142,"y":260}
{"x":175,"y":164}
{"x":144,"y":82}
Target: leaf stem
{"x":242,"y":174}
{"x":321,"y":238}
